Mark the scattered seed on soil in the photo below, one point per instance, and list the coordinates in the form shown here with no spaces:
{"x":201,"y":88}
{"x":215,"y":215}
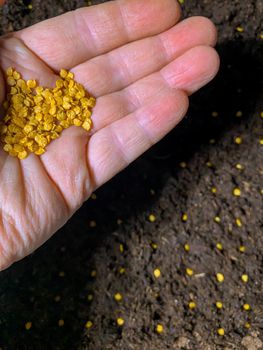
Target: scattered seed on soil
{"x":237,"y":192}
{"x":120,"y":321}
{"x":214,"y":190}
{"x":152,"y":218}
{"x":221,"y":331}
{"x":184,"y":217}
{"x":238,"y":140}
{"x":219,"y":246}
{"x":187,"y":247}
{"x":61,"y":323}
{"x":157,"y":273}
{"x":189,"y":272}
{"x":93,"y":273}
{"x":88,"y":324}
{"x":217,"y":219}
{"x":28,"y":325}
{"x":118,"y":297}
{"x":220,"y":277}
{"x":90,"y":297}
{"x":214,"y":114}
{"x":246,"y":307}
{"x":244,"y":278}
{"x":219,"y":305}
{"x":121,"y":270}
{"x":192,"y":305}
{"x":159,"y":328}
{"x":92,"y":223}
{"x":154,"y":245}
{"x":238,"y":222}
{"x":242,"y":248}
{"x":240,"y":29}
{"x":183,"y":165}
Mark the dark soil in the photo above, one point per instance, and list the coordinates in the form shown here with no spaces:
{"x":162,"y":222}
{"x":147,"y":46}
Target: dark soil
{"x":54,"y":282}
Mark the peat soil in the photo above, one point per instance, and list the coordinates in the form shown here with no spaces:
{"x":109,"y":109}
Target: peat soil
{"x":110,"y":246}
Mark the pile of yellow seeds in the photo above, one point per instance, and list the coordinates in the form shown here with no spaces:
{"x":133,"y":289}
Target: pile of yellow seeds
{"x":36,"y":115}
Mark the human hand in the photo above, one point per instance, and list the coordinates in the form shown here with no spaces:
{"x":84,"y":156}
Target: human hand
{"x":139,"y":64}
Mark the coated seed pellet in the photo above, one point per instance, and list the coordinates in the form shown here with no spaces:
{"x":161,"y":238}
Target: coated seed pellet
{"x":36,"y":115}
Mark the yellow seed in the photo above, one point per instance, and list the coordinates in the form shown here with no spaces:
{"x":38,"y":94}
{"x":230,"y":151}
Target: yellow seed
{"x":154,"y":246}
{"x":118,"y":297}
{"x":242,"y":248}
{"x":247,"y":325}
{"x":237,"y":192}
{"x":92,"y":223}
{"x":9,"y":71}
{"x":86,"y":125}
{"x":260,"y":141}
{"x":219,"y":305}
{"x":192,"y":305}
{"x":121,"y":270}
{"x":246,"y":307}
{"x":183,"y":165}
{"x":239,"y":29}
{"x":28,"y":325}
{"x":30,"y":6}
{"x":220,"y":277}
{"x":39,"y":151}
{"x":217,"y":219}
{"x":33,"y":112}
{"x":189,"y":271}
{"x":239,"y":114}
{"x":214,"y":114}
{"x":213,"y":190}
{"x":184,"y":217}
{"x":152,"y":218}
{"x":209,"y":164}
{"x":120,"y":321}
{"x":238,"y":140}
{"x":219,"y":246}
{"x":88,"y":324}
{"x":187,"y":247}
{"x":90,"y":297}
{"x":239,"y":166}
{"x":77,"y":122}
{"x":244,"y":278}
{"x":221,"y":331}
{"x":238,"y":222}
{"x":159,"y":328}
{"x":61,"y":323}
{"x":22,"y":155}
{"x":93,"y":273}
{"x":31,"y":84}
{"x":93,"y":196}
{"x":11,"y":81}
{"x":63,"y":73}
{"x":157,"y":273}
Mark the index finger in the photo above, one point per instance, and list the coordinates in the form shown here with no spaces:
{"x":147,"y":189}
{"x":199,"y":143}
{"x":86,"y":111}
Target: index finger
{"x":77,"y":36}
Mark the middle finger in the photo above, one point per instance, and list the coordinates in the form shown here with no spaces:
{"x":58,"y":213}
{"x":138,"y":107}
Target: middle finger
{"x":123,"y":66}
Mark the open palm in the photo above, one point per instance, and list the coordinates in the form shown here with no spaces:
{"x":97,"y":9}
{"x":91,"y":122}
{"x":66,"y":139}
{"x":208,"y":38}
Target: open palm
{"x":139,"y":64}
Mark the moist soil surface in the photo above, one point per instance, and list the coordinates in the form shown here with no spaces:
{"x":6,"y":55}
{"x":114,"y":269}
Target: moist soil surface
{"x":111,"y":246}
